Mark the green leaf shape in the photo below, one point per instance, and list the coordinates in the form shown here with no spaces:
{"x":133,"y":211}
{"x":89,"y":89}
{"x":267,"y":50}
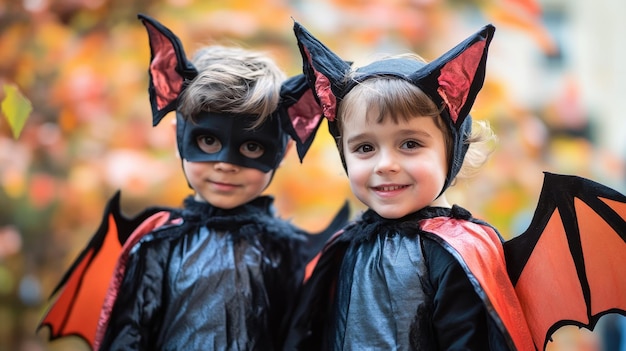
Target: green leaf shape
{"x":16,"y":108}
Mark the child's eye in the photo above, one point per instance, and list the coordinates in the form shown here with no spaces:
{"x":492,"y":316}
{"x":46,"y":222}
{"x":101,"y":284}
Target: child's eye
{"x":410,"y":144}
{"x":252,"y":149}
{"x":364,"y":148}
{"x":208,"y":143}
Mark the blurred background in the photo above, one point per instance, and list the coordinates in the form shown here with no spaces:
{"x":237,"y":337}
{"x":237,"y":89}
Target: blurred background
{"x":555,"y":95}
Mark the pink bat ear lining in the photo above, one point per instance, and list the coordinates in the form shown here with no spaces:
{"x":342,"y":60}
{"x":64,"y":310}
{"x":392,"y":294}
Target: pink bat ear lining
{"x":166,"y":81}
{"x":457,"y":77}
{"x":326,"y":96}
{"x":305,"y":116}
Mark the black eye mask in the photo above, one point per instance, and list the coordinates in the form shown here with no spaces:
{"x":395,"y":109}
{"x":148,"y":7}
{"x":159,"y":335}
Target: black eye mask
{"x":232,"y":132}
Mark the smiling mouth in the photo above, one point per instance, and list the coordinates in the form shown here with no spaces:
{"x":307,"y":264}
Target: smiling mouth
{"x":390,"y":187}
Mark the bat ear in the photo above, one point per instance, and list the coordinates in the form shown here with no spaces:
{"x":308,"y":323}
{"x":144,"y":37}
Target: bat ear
{"x":300,"y":113}
{"x":324,"y":70}
{"x":170,"y":71}
{"x":457,"y":76}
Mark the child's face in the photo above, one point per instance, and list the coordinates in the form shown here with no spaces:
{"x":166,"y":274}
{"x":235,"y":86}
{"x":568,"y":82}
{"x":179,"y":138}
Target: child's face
{"x":394,"y":168}
{"x":225,"y":185}
{"x":225,"y":162}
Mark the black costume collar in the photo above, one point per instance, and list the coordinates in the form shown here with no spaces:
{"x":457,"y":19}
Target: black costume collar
{"x":371,"y":224}
{"x":251,"y":219}
{"x":194,"y":209}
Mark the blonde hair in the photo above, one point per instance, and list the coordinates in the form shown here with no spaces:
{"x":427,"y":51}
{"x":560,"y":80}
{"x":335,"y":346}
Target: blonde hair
{"x":233,"y":80}
{"x":399,"y":99}
{"x":482,"y":142}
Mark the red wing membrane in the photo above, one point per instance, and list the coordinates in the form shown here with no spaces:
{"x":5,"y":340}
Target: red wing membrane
{"x":567,"y":266}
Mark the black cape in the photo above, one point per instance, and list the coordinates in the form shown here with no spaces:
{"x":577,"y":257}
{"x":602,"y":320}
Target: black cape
{"x":379,"y":268}
{"x":222,"y":279}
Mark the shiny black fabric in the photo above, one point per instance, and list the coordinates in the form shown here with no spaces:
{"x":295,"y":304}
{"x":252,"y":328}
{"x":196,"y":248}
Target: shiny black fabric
{"x":222,"y":280}
{"x":387,"y":285}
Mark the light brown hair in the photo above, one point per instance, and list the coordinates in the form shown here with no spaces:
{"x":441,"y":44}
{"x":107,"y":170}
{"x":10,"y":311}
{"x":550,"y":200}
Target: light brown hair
{"x":233,"y":80}
{"x":396,"y":98}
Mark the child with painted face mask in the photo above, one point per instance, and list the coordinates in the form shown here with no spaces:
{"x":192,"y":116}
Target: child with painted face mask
{"x":221,"y":273}
{"x":413,"y":272}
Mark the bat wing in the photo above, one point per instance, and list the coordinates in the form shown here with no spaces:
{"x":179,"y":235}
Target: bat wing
{"x":313,"y":308}
{"x":82,"y":290}
{"x":567,"y":267}
{"x":317,"y":241}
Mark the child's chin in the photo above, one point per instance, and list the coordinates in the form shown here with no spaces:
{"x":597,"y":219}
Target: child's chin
{"x":227,"y":203}
{"x":390,"y":213}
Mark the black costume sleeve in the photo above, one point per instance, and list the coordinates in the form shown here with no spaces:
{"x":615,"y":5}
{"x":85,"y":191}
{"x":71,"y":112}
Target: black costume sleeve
{"x":459,"y":315}
{"x":134,"y":322}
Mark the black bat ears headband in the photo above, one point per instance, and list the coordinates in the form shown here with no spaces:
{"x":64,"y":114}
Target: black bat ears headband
{"x":171,"y":72}
{"x":452,"y":81}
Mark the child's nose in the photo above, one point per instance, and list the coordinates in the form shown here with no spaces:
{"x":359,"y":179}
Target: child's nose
{"x":387,"y":162}
{"x":226,"y":167}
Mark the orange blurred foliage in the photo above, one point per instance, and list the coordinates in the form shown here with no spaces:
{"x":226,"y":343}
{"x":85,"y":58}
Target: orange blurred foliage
{"x":83,"y":65}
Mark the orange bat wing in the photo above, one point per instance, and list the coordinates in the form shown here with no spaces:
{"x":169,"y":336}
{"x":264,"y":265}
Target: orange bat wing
{"x":81,"y":291}
{"x":566,"y":266}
